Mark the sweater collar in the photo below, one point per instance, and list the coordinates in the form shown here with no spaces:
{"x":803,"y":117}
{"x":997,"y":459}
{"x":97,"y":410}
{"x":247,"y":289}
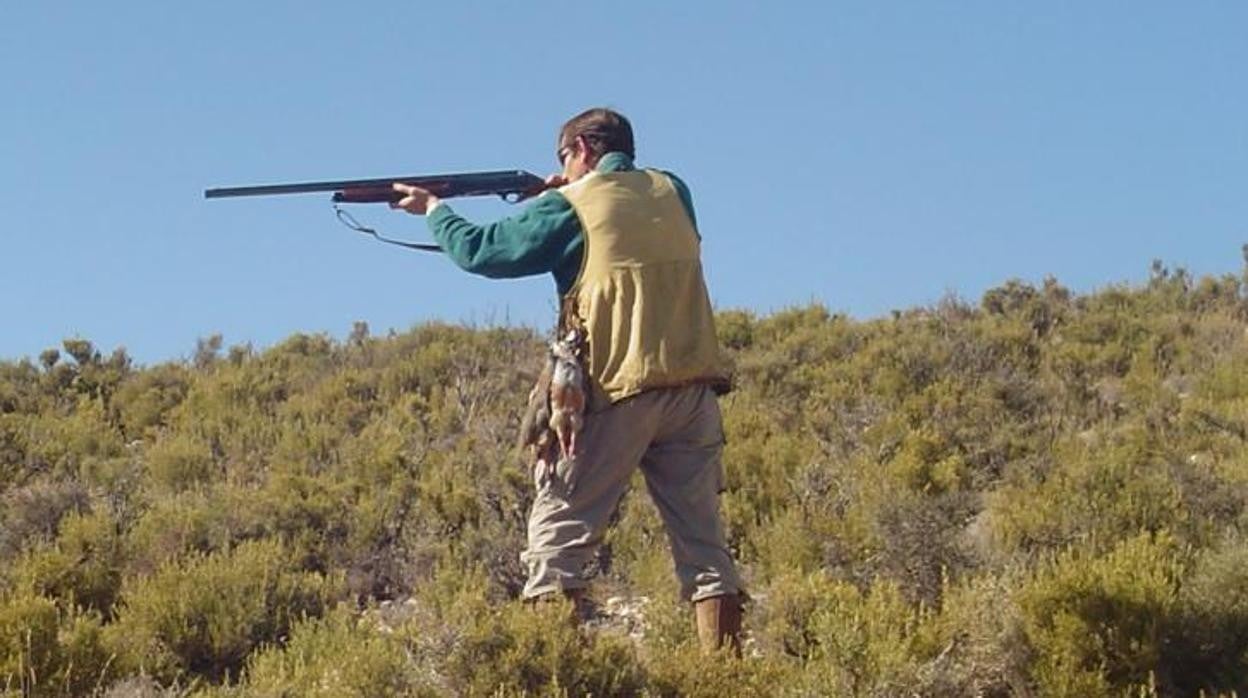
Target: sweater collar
{"x":614,"y":161}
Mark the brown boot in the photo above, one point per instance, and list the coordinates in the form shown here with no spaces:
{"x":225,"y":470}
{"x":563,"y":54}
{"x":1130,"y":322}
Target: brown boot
{"x":719,"y":622}
{"x":582,"y":609}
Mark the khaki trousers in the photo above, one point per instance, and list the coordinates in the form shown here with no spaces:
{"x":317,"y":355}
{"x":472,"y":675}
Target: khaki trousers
{"x":676,"y":437}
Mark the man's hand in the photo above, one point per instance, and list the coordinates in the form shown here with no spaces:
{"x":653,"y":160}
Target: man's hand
{"x":556,"y":180}
{"x":415,"y":200}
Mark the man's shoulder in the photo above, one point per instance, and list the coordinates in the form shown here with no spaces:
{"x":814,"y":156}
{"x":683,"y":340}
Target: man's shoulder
{"x":682,"y":191}
{"x":551,"y":200}
{"x":679,"y":184}
{"x":672,"y":177}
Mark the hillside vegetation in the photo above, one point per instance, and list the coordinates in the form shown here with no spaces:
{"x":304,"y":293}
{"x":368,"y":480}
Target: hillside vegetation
{"x":1039,"y":494}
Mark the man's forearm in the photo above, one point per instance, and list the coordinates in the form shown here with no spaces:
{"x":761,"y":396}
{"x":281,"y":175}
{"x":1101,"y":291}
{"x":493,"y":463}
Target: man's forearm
{"x":529,"y":243}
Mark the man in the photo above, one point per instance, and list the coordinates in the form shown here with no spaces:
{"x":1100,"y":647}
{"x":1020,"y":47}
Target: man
{"x":624,"y":250}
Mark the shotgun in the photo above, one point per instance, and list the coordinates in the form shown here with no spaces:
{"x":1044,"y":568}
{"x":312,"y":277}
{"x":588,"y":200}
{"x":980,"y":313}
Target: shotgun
{"x":510,"y":185}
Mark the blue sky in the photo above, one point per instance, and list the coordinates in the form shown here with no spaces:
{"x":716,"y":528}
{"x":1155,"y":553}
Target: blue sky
{"x":867,"y":155}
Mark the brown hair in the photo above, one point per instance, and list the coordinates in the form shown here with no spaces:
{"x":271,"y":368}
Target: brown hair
{"x":604,"y":130}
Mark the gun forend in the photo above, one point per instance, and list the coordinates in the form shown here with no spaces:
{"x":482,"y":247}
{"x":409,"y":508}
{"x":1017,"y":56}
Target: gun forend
{"x":369,"y":195}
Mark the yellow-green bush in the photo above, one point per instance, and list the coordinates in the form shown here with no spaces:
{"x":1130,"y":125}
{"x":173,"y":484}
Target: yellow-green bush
{"x":32,"y":513}
{"x":522,"y":650}
{"x":687,"y":673}
{"x":180,"y":462}
{"x":1097,"y":496}
{"x":866,"y":643}
{"x":29,"y":624}
{"x":974,"y":644}
{"x":1207,"y":646}
{"x":341,"y":654}
{"x":204,"y":615}
{"x":82,"y":568}
{"x":1098,"y":624}
{"x":203,"y":521}
{"x":48,"y":649}
{"x":143,"y":404}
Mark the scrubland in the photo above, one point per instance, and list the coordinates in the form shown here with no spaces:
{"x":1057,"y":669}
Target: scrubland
{"x":1038,"y":493}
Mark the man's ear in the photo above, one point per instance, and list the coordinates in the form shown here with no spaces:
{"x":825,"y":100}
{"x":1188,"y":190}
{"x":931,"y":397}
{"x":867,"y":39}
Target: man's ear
{"x":591,"y":158}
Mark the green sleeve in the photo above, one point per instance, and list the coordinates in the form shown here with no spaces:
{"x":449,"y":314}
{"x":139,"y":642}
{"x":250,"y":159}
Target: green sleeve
{"x":543,"y":238}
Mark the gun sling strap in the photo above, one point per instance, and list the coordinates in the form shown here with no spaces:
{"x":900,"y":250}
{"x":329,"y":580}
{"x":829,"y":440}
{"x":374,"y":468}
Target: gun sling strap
{"x":349,"y":220}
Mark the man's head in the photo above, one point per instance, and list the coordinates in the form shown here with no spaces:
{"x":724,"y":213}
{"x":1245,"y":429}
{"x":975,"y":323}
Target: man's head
{"x":588,"y":136}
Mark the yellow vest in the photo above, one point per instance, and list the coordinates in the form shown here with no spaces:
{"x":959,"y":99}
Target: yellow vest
{"x":640,"y":292}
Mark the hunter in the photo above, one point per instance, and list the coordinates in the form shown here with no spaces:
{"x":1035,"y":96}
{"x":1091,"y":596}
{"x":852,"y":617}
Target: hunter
{"x":623,"y":246}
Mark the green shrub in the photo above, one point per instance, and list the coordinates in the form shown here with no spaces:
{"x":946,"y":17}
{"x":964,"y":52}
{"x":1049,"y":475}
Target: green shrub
{"x":920,"y":541}
{"x":341,"y":654}
{"x":83,"y":568}
{"x":1096,"y":496}
{"x":144,"y":402}
{"x":32,"y":513}
{"x":872,"y":642}
{"x":975,"y":642}
{"x":687,"y":672}
{"x":46,"y":650}
{"x":203,"y":617}
{"x":201,"y":521}
{"x":64,"y":441}
{"x":1208,"y":637}
{"x":180,"y":462}
{"x":28,"y":628}
{"x":523,"y":650}
{"x":465,"y":640}
{"x":848,"y":642}
{"x":1098,"y":624}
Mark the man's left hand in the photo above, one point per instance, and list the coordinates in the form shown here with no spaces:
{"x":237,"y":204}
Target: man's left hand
{"x":415,"y":200}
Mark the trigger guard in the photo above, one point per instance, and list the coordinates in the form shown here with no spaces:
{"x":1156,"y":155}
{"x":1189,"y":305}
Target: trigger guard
{"x":511,"y":197}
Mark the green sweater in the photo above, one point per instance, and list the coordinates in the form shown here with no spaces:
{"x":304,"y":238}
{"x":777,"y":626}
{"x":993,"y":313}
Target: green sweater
{"x":545,"y":237}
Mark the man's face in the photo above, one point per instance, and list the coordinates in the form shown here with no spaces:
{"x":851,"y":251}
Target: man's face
{"x":575,"y":158}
